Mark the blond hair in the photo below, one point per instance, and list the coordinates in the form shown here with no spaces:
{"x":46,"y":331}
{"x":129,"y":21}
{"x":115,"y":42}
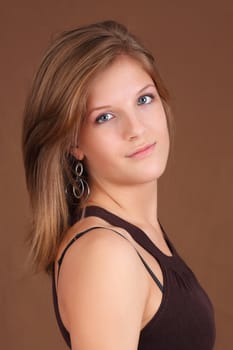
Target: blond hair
{"x":54,"y":112}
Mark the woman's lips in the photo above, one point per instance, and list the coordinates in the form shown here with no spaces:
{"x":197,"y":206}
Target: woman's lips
{"x":143,"y":151}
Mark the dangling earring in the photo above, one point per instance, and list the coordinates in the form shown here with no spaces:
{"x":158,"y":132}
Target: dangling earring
{"x":82,"y":184}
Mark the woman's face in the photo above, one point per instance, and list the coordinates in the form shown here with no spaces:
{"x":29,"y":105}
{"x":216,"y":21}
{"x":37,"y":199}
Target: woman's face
{"x":124,"y":139}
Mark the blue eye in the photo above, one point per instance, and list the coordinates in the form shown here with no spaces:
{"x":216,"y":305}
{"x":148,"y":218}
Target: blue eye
{"x":143,"y":100}
{"x":104,"y":118}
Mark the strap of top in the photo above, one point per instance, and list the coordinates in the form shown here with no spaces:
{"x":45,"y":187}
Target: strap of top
{"x":77,"y":236}
{"x":138,"y":235}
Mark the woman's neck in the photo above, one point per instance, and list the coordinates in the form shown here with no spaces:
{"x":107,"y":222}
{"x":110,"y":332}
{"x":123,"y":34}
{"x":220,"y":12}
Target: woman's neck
{"x":138,"y":203}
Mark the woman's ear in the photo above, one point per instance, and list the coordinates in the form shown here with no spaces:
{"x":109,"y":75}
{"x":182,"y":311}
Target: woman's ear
{"x":77,"y":153}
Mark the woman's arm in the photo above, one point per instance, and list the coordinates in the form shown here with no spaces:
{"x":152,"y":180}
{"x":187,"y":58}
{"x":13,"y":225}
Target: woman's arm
{"x":102,"y":292}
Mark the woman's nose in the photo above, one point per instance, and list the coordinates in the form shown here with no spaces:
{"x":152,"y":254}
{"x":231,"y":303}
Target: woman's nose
{"x":133,"y":126}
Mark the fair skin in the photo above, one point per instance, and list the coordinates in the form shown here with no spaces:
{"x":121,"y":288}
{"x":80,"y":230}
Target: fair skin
{"x":104,"y":289}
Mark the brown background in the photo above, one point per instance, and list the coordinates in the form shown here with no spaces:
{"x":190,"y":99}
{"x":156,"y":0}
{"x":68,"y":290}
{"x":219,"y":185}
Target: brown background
{"x":192,"y":41}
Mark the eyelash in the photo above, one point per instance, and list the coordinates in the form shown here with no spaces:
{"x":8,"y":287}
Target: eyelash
{"x":100,"y":120}
{"x":151,"y":96}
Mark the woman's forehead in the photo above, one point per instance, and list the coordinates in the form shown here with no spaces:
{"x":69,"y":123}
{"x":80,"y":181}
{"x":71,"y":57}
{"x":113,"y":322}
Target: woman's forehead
{"x":125,"y":75}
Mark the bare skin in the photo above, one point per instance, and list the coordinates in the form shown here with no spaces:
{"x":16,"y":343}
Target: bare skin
{"x":105,"y":294}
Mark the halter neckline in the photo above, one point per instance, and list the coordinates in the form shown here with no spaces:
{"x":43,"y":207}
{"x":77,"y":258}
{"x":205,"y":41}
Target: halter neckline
{"x":137,"y":233}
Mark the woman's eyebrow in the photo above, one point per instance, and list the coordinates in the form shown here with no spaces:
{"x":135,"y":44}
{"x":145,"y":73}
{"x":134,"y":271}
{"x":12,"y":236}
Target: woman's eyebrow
{"x":98,"y":108}
{"x":108,"y":106}
{"x":146,"y":87}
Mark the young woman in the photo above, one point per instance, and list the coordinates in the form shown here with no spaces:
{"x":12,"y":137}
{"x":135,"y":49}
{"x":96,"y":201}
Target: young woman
{"x":96,"y":140}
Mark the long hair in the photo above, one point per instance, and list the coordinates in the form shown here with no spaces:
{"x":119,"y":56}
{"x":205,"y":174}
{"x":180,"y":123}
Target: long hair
{"x":54,"y":112}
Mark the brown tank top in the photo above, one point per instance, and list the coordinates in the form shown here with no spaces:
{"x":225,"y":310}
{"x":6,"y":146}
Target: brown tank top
{"x":185,"y":318}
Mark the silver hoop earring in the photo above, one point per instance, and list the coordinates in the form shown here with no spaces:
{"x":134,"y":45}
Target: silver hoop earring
{"x":81,"y":184}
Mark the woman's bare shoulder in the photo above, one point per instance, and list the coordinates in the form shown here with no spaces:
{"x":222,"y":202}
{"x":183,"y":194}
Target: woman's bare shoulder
{"x":102,"y":284}
{"x":85,"y":224}
{"x":100,"y":240}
